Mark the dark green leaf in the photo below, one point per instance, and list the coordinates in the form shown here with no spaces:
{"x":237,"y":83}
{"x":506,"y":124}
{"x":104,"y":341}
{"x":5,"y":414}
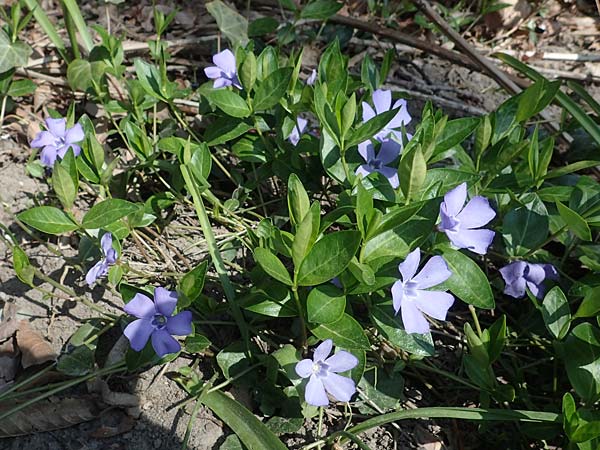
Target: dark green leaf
{"x":345,"y":333}
{"x":320,"y":9}
{"x":230,"y":102}
{"x":48,"y":219}
{"x":556,"y":313}
{"x":575,"y":222}
{"x":325,"y":304}
{"x":107,"y":212}
{"x":272,"y":89}
{"x":192,"y":283}
{"x":272,"y":265}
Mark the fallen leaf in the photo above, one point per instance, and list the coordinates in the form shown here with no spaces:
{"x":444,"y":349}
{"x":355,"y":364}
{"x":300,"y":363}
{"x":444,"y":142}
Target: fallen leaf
{"x":9,"y":323}
{"x":126,"y":424}
{"x":47,"y":415}
{"x":427,"y":440}
{"x":35,"y":349}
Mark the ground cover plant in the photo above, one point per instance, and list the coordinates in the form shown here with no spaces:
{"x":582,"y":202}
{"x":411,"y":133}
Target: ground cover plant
{"x":346,"y":245}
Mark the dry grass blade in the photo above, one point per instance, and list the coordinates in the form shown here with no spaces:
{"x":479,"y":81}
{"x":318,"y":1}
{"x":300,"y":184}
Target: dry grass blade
{"x":35,"y":350}
{"x":48,"y":415}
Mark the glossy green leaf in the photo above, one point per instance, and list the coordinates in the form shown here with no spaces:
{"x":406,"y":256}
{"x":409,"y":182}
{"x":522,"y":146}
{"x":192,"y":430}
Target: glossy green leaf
{"x":581,"y":350}
{"x":107,"y":212}
{"x":192,"y":283}
{"x":468,"y":282}
{"x":298,"y":201}
{"x":196,"y":343}
{"x":248,"y":71}
{"x":22,"y":266}
{"x":272,"y":89}
{"x":412,"y":172}
{"x":575,"y":222}
{"x":525,"y":227}
{"x":231,"y":23}
{"x":229,"y":102}
{"x":320,"y":9}
{"x":556,"y":313}
{"x":251,"y":431}
{"x":346,"y":333}
{"x":328,"y":257}
{"x":272,"y":265}
{"x":325,"y":304}
{"x":590,"y":305}
{"x":63,"y":185}
{"x":48,"y":219}
{"x":455,"y":132}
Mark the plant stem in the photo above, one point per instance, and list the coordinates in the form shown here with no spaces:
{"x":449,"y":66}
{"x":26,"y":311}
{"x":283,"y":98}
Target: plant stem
{"x":320,"y":426}
{"x":71,"y":31}
{"x":75,"y":13}
{"x":215,"y":255}
{"x":476,"y":320}
{"x":301,"y":316}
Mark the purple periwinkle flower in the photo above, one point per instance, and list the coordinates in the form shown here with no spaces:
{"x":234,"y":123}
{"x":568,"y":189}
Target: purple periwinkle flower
{"x":297,"y":131}
{"x":459,"y":221}
{"x":155,"y":321}
{"x":57,"y":139}
{"x":388,"y":152}
{"x":410,"y":295}
{"x":224,"y":72}
{"x":382,"y":100}
{"x":519,"y":275}
{"x":109,"y":256}
{"x":324,"y":378}
{"x":310,"y":81}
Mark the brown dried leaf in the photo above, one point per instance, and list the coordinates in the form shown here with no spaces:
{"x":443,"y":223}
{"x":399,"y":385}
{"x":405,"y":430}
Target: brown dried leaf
{"x":126,"y":424}
{"x":9,"y":323}
{"x":35,"y":349}
{"x":48,"y":415}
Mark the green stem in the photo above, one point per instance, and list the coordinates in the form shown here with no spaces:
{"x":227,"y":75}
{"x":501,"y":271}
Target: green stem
{"x":476,"y":320}
{"x":71,"y":31}
{"x":188,"y":430}
{"x":25,"y":382}
{"x":300,"y":315}
{"x":320,"y":426}
{"x":47,"y":26}
{"x":215,"y":255}
{"x":75,"y":13}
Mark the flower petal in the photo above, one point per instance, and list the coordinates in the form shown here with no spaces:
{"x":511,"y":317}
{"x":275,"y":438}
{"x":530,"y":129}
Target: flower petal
{"x":515,"y":288}
{"x":382,"y":99}
{"x":389,"y":151}
{"x":221,"y":82}
{"x":56,"y":126}
{"x":402,"y":117}
{"x":366,"y":150}
{"x":367,"y":112}
{"x":323,"y":350}
{"x":315,"y":392}
{"x":409,"y":266}
{"x":534,"y":273}
{"x":551,"y":272}
{"x":235,"y":81}
{"x":138,"y":332}
{"x":477,"y":241}
{"x":455,"y":199}
{"x":391,"y":175}
{"x":434,"y":272}
{"x":537,"y":290}
{"x":341,"y":361}
{"x":165,"y":300}
{"x":76,"y":150}
{"x":111,"y":256}
{"x":397,"y":295}
{"x":213,"y":72}
{"x":74,"y":134}
{"x":476,"y":213}
{"x":106,"y":242}
{"x":434,"y":303}
{"x":99,"y":269}
{"x":341,"y":388}
{"x":42,"y":139}
{"x":226,"y":61}
{"x":141,"y":307}
{"x":364,"y":170}
{"x":163,"y":343}
{"x":48,"y":155}
{"x":413,"y":319}
{"x":180,"y":324}
{"x":513,"y":271}
{"x":304,"y":368}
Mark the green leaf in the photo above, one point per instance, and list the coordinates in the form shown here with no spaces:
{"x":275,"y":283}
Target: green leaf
{"x":21,"y":88}
{"x":306,"y":235}
{"x":22,"y":266}
{"x":320,"y":9}
{"x":468,"y":282}
{"x":575,"y":222}
{"x":348,"y":114}
{"x":224,"y":129}
{"x":590,"y":306}
{"x":371,"y":127}
{"x":251,"y":431}
{"x":196,"y":343}
{"x":272,"y":265}
{"x":272,"y":89}
{"x":325,"y":304}
{"x":231,"y":23}
{"x":12,"y":54}
{"x":392,"y":328}
{"x":412,"y":172}
{"x":455,"y":132}
{"x":345,"y":333}
{"x":63,"y":185}
{"x":328,"y":258}
{"x":107,"y":212}
{"x":82,"y":74}
{"x":192,"y":283}
{"x":48,"y":219}
{"x":80,"y":361}
{"x":525,"y":227}
{"x":230,"y":102}
{"x":581,"y":352}
{"x":535,"y":98}
{"x":556,"y":313}
{"x":298,"y":201}
{"x":149,"y":78}
{"x":248,"y":71}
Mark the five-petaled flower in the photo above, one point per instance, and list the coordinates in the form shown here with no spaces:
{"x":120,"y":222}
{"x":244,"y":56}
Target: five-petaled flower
{"x":410,"y":295}
{"x":224,"y":72}
{"x":155,"y":321}
{"x":460,"y":223}
{"x":519,"y":275}
{"x":297,"y":131}
{"x":109,"y":256}
{"x":324,"y":378}
{"x":57,"y":139}
{"x":382,"y":100}
{"x":388,"y":152}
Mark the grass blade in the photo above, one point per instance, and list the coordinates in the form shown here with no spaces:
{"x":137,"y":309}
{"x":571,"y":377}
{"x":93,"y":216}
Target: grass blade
{"x":47,"y":26}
